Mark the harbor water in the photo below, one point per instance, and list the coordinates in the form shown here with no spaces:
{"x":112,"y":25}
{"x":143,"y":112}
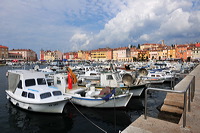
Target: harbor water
{"x":75,"y":119}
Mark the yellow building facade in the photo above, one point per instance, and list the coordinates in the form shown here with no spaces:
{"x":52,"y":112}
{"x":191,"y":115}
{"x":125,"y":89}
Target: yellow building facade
{"x":101,"y":54}
{"x":171,"y":53}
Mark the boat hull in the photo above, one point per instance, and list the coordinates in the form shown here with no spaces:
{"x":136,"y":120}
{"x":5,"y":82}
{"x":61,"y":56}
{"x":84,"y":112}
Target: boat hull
{"x":118,"y":101}
{"x":49,"y":107}
{"x":154,"y":81}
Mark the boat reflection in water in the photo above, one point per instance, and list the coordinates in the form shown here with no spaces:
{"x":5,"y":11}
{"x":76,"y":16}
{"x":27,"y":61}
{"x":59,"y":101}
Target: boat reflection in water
{"x":25,"y":121}
{"x":111,"y":120}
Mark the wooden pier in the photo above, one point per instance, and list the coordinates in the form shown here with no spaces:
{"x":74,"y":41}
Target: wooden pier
{"x":174,"y":103}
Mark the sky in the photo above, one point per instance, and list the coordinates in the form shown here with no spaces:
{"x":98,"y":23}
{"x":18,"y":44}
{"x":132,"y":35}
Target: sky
{"x":72,"y":25}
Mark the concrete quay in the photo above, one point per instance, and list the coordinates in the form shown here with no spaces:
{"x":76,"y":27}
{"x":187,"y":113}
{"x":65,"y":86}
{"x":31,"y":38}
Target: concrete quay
{"x":154,"y":125}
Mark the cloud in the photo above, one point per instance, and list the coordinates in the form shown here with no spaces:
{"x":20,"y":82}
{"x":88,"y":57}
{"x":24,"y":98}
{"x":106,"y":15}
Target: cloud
{"x":151,"y":21}
{"x":79,"y":42}
{"x":85,"y":24}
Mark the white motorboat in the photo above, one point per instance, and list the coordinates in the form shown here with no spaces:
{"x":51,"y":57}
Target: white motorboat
{"x":153,"y":78}
{"x":114,"y":80}
{"x":28,"y":90}
{"x":89,"y":75}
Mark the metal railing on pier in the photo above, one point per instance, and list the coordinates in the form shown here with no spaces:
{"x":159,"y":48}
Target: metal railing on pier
{"x":189,"y":90}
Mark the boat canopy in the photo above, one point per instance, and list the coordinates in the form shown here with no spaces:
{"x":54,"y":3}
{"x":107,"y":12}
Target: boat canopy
{"x":13,"y":80}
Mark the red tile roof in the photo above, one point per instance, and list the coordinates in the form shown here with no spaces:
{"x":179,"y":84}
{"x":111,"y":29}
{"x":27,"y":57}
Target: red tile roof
{"x":1,"y":46}
{"x":21,"y":50}
{"x":197,"y":44}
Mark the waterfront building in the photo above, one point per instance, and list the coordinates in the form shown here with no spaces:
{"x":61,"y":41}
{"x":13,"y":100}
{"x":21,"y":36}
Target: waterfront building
{"x":142,"y":55}
{"x":196,"y":52}
{"x":151,"y":46}
{"x":181,"y":51}
{"x":153,"y":54}
{"x":3,"y":53}
{"x":164,"y":54}
{"x":42,"y":55}
{"x":71,"y":56}
{"x":171,"y":52}
{"x":50,"y":55}
{"x":115,"y":54}
{"x":27,"y":54}
{"x":160,"y":54}
{"x":109,"y":54}
{"x":81,"y":55}
{"x":134,"y":53}
{"x":15,"y":56}
{"x":189,"y":53}
{"x":124,"y":54}
{"x":101,"y":54}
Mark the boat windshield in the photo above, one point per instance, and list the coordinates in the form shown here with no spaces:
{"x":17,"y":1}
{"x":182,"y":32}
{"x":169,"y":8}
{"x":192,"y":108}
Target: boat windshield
{"x":41,"y":81}
{"x":29,"y":82}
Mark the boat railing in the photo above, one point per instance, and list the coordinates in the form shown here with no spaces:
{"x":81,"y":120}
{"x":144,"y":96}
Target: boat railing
{"x":188,"y":90}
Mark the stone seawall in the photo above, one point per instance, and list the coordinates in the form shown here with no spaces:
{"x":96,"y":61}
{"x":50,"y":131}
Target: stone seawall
{"x":173,"y":103}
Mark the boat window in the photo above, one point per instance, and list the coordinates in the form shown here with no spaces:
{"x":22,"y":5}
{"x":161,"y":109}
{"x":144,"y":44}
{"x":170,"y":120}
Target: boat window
{"x":93,"y":74}
{"x":57,"y":93}
{"x":45,"y":95}
{"x":30,"y":82}
{"x":20,"y":84}
{"x":109,"y":77}
{"x":58,"y":81}
{"x":41,"y":81}
{"x":31,"y":95}
{"x":152,"y":75}
{"x":24,"y":94}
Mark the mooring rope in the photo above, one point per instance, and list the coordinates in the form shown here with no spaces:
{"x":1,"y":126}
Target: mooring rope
{"x":87,"y":118}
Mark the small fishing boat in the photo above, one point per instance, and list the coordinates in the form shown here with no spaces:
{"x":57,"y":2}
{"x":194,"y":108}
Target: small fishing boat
{"x":154,"y":78}
{"x":89,"y":75}
{"x":90,"y":96}
{"x":28,"y":90}
{"x":114,"y":80}
{"x":99,"y":99}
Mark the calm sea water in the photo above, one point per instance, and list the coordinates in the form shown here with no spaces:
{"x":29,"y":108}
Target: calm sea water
{"x":16,"y":120}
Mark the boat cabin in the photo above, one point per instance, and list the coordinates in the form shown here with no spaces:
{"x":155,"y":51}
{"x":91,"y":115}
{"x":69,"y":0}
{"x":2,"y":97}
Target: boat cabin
{"x":112,"y":79}
{"x":31,"y":85}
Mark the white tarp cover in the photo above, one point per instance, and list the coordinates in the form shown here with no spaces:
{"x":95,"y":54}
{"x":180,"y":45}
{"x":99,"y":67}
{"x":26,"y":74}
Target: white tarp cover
{"x":13,"y":80}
